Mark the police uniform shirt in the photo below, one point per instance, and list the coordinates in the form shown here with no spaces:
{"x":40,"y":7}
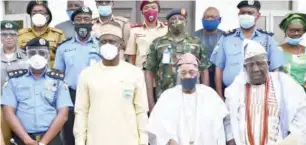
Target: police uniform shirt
{"x":67,"y":27}
{"x":229,"y":56}
{"x":72,"y":56}
{"x":141,"y":38}
{"x":36,"y":100}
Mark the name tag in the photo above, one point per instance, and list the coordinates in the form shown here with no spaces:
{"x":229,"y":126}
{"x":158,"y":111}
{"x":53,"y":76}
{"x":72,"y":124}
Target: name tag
{"x":166,"y":57}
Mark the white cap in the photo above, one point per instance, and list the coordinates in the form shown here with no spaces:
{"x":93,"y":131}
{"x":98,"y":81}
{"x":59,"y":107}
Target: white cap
{"x":252,"y":48}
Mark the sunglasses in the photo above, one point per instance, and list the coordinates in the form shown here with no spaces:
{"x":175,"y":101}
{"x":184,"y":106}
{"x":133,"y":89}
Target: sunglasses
{"x":6,"y":34}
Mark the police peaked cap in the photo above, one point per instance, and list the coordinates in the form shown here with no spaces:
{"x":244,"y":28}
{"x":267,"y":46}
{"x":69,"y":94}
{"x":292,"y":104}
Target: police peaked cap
{"x":249,"y":3}
{"x":84,"y":9}
{"x":38,"y":41}
{"x":9,"y":25}
{"x":177,"y":11}
{"x":44,"y":3}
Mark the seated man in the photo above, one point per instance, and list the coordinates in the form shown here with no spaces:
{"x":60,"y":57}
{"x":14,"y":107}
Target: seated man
{"x":188,"y":114}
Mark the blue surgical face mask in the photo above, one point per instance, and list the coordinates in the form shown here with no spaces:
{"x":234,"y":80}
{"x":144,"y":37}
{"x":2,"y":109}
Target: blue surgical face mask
{"x":246,"y":21}
{"x":189,"y":83}
{"x":69,"y":13}
{"x":105,"y":10}
{"x":293,"y":41}
{"x":211,"y":25}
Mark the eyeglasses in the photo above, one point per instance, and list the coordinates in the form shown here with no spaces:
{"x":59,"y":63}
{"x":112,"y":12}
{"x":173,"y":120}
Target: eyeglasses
{"x":43,"y":51}
{"x":5,"y":34}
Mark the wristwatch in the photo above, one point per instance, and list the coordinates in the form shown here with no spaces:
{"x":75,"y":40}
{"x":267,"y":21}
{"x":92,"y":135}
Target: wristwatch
{"x":39,"y":143}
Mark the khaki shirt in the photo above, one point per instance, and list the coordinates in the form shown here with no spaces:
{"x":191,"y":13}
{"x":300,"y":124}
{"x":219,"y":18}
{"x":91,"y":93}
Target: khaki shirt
{"x":53,"y":35}
{"x":112,"y":113}
{"x":141,"y":38}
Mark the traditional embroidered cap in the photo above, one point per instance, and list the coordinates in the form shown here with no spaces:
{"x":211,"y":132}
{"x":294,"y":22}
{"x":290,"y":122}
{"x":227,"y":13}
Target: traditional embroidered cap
{"x":293,"y":18}
{"x":9,"y":25}
{"x":252,"y":48}
{"x":187,"y":58}
{"x":177,"y":11}
{"x":44,"y":3}
{"x":249,"y":3}
{"x":112,"y":28}
{"x":145,"y":2}
{"x":84,"y":9}
{"x":38,"y":41}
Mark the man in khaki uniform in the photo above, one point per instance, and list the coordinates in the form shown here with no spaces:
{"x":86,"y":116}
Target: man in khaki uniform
{"x":142,"y":35}
{"x":41,"y":17}
{"x":105,"y":12}
{"x":111,"y":107}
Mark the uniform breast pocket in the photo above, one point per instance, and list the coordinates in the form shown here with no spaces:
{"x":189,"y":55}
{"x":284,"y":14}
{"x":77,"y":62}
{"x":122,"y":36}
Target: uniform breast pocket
{"x":142,"y":45}
{"x":69,"y":58}
{"x":49,"y":96}
{"x":234,"y":57}
{"x":128,"y":90}
{"x":22,"y":93}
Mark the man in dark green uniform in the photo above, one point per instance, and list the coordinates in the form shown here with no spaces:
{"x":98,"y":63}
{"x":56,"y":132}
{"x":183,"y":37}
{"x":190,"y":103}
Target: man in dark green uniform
{"x":164,"y":52}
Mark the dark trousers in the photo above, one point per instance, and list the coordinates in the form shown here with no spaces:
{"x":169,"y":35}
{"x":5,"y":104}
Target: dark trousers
{"x":37,"y":137}
{"x":68,"y":127}
{"x":212,"y":71}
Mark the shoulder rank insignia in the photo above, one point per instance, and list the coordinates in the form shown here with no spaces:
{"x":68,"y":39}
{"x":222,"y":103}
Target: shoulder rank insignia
{"x":56,"y":74}
{"x":17,"y":73}
{"x":136,"y":25}
{"x":265,"y":32}
{"x":229,"y":32}
{"x":64,"y":41}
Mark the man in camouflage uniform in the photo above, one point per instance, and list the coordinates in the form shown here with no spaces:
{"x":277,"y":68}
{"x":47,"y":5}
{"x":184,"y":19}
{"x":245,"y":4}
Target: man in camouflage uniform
{"x":106,"y":14}
{"x":164,"y":52}
{"x":41,"y":18}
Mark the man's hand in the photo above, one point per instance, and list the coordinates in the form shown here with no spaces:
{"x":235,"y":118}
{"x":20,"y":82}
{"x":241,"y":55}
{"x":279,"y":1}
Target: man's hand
{"x":172,"y":142}
{"x":231,"y":142}
{"x":30,"y":142}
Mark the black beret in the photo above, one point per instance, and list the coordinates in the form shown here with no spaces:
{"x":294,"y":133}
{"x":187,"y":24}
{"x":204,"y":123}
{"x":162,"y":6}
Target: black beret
{"x":175,"y":11}
{"x":38,"y":41}
{"x":83,"y":9}
{"x":249,"y":3}
{"x":9,"y":25}
{"x":44,"y":3}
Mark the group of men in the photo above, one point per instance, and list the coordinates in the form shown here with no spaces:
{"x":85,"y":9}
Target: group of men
{"x":106,"y":81}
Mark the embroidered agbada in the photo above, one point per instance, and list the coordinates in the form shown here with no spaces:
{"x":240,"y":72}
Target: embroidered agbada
{"x":196,"y":118}
{"x":287,"y":109}
{"x":111,"y":106}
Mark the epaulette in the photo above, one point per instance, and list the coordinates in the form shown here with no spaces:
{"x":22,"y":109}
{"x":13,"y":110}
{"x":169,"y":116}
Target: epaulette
{"x":123,"y":19}
{"x":56,"y":74}
{"x":136,"y":25}
{"x":265,"y":32}
{"x":22,"y":31}
{"x":57,"y":30}
{"x":17,"y":73}
{"x":229,"y":32}
{"x":64,"y":41}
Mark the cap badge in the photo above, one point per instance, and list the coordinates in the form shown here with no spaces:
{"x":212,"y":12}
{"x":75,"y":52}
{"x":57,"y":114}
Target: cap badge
{"x":8,"y":25}
{"x":42,"y":41}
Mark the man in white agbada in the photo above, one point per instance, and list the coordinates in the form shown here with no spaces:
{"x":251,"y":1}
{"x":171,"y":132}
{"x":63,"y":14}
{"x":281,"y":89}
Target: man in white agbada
{"x":265,"y":107}
{"x":188,"y":114}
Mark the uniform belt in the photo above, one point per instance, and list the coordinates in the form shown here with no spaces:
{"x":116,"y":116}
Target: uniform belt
{"x":37,"y":136}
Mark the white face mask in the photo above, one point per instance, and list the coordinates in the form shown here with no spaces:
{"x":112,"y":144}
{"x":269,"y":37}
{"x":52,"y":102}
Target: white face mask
{"x":109,"y":51}
{"x":38,"y":62}
{"x":39,"y":20}
{"x":246,"y":21}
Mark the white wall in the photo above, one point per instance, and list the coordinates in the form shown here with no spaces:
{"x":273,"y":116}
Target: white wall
{"x":228,"y":12}
{"x":1,"y":9}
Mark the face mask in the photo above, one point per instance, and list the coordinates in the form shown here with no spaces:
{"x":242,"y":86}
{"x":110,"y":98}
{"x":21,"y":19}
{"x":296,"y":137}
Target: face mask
{"x":293,"y":41}
{"x":246,"y":21}
{"x":211,"y":25}
{"x":38,"y":62}
{"x":39,"y":20}
{"x":105,"y":10}
{"x":150,"y":15}
{"x":177,"y":27}
{"x":189,"y":83}
{"x":69,"y":13}
{"x":83,"y":30}
{"x":109,"y":51}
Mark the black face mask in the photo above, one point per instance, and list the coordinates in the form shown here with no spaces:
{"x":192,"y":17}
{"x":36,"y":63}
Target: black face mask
{"x":83,"y":30}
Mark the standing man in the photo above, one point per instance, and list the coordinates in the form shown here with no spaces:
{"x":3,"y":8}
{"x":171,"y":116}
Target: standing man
{"x":228,"y":55}
{"x":265,"y":107}
{"x":188,"y":114}
{"x":73,"y":55}
{"x":12,"y":58}
{"x":142,"y":35}
{"x":67,"y":27}
{"x":111,"y":103}
{"x":36,"y":101}
{"x":41,"y":17}
{"x":164,"y":51}
{"x":210,"y":35}
{"x":105,"y":9}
